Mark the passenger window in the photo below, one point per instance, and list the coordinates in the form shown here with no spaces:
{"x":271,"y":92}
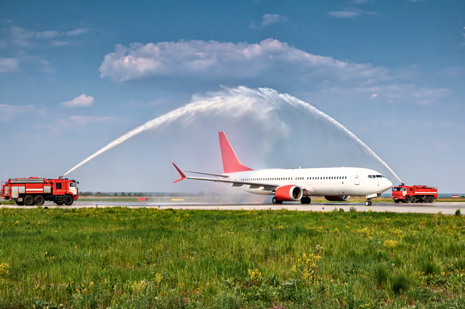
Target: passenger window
{"x":58,"y":185}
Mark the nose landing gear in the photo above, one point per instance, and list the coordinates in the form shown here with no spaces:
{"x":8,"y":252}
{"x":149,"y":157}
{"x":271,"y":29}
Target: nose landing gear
{"x":368,"y":202}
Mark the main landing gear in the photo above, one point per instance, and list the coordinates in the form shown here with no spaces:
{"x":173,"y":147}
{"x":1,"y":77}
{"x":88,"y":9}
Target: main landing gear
{"x":306,"y":200}
{"x":276,"y":201}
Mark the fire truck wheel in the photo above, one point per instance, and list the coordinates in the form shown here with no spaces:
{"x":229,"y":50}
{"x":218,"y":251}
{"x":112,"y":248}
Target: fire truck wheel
{"x":430,"y":199}
{"x":413,"y":199}
{"x":68,"y":200}
{"x":39,"y":200}
{"x":20,"y":203}
{"x":397,"y":201}
{"x":407,"y":199}
{"x":59,"y":203}
{"x":29,"y":200}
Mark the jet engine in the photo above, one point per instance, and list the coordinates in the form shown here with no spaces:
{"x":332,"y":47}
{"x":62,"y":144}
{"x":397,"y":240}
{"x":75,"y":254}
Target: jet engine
{"x":289,"y":193}
{"x":337,"y":198}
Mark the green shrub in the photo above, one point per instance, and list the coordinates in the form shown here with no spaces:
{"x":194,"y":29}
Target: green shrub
{"x":457,"y":213}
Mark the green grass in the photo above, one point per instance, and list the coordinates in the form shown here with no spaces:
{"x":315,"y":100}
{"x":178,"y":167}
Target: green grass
{"x":149,"y":258}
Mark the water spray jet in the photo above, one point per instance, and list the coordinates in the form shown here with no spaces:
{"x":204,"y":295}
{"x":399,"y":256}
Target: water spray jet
{"x":233,"y":103}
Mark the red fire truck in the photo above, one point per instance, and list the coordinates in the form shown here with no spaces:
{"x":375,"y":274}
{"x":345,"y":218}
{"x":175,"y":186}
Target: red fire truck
{"x":414,"y":194}
{"x":33,"y":190}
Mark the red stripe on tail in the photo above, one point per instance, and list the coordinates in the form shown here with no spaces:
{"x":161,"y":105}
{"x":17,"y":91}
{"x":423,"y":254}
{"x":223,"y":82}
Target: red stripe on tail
{"x":230,"y":162}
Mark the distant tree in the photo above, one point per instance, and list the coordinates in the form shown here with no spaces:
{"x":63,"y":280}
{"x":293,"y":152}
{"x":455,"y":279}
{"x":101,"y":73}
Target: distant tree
{"x":129,"y":194}
{"x":150,"y":194}
{"x":98,"y":193}
{"x":123,"y":194}
{"x":116,"y":194}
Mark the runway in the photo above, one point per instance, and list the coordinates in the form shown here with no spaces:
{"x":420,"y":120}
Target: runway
{"x":434,"y":208}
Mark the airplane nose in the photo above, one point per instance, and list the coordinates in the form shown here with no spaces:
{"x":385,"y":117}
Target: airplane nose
{"x":388,"y":184}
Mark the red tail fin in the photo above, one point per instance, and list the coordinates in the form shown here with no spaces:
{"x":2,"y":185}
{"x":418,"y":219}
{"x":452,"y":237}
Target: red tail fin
{"x":230,"y":162}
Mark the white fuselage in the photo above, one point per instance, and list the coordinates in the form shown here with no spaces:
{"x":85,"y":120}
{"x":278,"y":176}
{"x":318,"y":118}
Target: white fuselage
{"x":317,"y":181}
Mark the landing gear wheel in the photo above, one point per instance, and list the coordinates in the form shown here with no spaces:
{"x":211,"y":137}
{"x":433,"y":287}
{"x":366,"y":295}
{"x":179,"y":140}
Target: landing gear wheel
{"x":413,"y":199}
{"x":306,"y":200}
{"x":39,"y":200}
{"x":368,"y":203}
{"x":276,"y":201}
{"x":68,"y":200}
{"x":29,"y":200}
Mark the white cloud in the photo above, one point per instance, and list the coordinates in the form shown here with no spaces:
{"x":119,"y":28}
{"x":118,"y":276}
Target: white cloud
{"x":20,"y":36}
{"x":60,"y":43}
{"x":270,"y":63}
{"x":7,"y":112}
{"x":268,"y":59}
{"x":83,"y":120}
{"x":17,"y":36}
{"x":80,"y":101}
{"x":268,"y":19}
{"x":359,"y":1}
{"x":345,"y":14}
{"x":8,"y":64}
{"x":47,"y":34}
{"x":352,"y":12}
{"x":417,"y":0}
{"x":78,"y":31}
{"x":393,"y":94}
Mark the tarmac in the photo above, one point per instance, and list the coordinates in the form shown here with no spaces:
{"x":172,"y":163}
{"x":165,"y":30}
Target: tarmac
{"x":448,"y":208}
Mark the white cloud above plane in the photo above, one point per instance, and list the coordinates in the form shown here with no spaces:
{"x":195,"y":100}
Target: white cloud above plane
{"x":7,"y":112}
{"x":8,"y":64}
{"x":21,"y":37}
{"x":267,"y":61}
{"x":350,"y":13}
{"x":80,"y":101}
{"x":268,"y":19}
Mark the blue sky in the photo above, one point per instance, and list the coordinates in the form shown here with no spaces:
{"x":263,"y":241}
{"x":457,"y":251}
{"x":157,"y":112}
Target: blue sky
{"x":76,"y":75}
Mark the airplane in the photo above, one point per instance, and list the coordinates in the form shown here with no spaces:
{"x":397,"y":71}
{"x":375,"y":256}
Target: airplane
{"x":334,"y":183}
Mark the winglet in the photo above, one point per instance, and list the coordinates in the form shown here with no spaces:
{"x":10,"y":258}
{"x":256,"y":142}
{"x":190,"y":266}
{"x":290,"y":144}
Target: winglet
{"x":180,"y":173}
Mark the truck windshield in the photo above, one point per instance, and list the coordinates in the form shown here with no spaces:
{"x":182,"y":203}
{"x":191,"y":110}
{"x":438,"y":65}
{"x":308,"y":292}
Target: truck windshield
{"x":397,"y":189}
{"x":72,"y":185}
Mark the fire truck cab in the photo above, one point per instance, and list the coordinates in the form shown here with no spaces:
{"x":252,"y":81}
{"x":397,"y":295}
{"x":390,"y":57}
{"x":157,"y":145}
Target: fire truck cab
{"x":35,"y":191}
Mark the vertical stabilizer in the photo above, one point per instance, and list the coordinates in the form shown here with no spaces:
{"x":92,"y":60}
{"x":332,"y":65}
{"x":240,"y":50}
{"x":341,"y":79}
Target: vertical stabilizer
{"x":230,"y":162}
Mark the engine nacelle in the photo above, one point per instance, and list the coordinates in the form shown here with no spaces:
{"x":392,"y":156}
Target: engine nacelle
{"x":289,"y":193}
{"x":337,"y":198}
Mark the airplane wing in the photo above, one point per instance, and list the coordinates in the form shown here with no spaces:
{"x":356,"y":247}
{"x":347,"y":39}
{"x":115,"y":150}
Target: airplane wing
{"x":209,"y":174}
{"x":253,"y":185}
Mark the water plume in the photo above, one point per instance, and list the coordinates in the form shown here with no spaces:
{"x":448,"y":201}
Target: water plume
{"x":234,"y":103}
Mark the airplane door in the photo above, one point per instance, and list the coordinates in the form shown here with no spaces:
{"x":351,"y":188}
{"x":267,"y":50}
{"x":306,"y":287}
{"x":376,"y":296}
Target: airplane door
{"x":357,"y":179}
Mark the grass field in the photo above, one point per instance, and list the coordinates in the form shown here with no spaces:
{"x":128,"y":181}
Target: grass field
{"x":149,"y":258}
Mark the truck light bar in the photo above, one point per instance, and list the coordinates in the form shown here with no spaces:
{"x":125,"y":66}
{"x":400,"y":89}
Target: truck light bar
{"x":25,"y":180}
